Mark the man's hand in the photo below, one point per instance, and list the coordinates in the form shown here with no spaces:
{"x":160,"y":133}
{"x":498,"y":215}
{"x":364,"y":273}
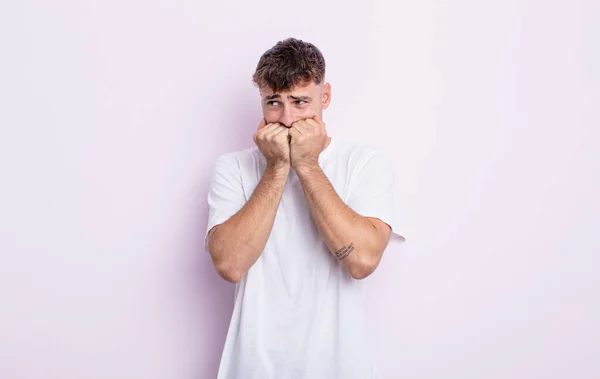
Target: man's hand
{"x":272,"y":141}
{"x":308,"y":140}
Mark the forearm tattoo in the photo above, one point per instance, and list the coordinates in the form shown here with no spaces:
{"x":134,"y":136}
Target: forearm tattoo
{"x":344,"y":251}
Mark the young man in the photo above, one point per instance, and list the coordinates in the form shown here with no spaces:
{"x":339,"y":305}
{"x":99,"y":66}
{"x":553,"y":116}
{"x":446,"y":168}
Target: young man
{"x":296,"y":221}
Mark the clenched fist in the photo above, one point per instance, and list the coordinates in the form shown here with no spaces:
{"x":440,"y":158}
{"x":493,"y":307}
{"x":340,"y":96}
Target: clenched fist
{"x":272,"y":140}
{"x":308,"y":140}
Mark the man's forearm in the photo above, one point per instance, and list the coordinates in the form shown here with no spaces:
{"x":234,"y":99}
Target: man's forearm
{"x":348,"y":235}
{"x":236,"y":244}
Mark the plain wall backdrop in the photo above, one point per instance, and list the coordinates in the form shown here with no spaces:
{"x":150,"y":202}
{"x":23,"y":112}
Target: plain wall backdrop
{"x":113,"y":112}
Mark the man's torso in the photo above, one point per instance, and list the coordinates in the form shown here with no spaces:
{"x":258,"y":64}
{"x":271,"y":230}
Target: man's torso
{"x":298,"y":313}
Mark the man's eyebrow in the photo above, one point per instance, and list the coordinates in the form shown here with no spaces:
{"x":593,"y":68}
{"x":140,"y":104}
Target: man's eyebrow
{"x":278,"y":96}
{"x":303,"y":98}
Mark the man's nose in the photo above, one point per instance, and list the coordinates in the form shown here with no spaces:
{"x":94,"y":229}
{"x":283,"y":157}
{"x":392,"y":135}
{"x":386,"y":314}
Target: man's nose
{"x":287,"y":118}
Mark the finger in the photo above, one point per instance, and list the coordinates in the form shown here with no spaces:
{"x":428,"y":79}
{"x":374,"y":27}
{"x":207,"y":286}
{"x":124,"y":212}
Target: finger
{"x":294,"y":131}
{"x":261,"y":135}
{"x":314,"y":123}
{"x":275,"y":131}
{"x":308,"y":127}
{"x":294,"y":127}
{"x":301,"y":126}
{"x":318,"y":120}
{"x":283,"y":129}
{"x":269,"y":128}
{"x":283,"y":134}
{"x":262,"y":124}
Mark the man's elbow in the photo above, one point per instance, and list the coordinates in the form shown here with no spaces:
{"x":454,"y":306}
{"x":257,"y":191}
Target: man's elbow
{"x":360,"y":272}
{"x":364,"y":267}
{"x":229,"y":273}
{"x":226,"y":266}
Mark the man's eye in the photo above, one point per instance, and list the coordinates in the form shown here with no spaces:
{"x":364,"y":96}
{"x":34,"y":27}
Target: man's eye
{"x":300,"y":102}
{"x":273,"y":103}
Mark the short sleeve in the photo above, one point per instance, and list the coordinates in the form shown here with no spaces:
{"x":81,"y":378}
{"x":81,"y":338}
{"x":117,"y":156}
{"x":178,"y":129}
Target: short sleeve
{"x":373,"y":191}
{"x":225,"y":192}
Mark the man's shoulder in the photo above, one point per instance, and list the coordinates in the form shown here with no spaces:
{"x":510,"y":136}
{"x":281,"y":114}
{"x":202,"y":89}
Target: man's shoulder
{"x":242,"y":159}
{"x":237,"y":154}
{"x":360,"y":152}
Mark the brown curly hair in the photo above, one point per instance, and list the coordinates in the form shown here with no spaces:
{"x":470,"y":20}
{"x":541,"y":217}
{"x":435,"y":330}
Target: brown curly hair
{"x":289,"y":63}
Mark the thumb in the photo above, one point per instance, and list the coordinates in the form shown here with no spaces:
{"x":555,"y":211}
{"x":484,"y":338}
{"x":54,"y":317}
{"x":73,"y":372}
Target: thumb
{"x":262,"y":124}
{"x":318,"y":120}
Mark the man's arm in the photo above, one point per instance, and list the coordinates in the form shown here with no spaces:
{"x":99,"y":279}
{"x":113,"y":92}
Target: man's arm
{"x":357,"y":241}
{"x":237,"y":243}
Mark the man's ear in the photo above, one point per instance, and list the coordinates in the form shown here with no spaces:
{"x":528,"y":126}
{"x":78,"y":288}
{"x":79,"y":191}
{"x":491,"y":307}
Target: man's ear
{"x":326,"y":96}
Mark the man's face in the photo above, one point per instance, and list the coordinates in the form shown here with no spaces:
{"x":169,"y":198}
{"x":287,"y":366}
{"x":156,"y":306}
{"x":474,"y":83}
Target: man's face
{"x":301,"y":102}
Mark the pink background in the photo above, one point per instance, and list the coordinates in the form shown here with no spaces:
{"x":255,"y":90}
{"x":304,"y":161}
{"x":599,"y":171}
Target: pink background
{"x":113,"y":112}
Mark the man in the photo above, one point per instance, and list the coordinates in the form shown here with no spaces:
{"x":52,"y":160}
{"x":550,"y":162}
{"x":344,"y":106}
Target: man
{"x":296,"y":221}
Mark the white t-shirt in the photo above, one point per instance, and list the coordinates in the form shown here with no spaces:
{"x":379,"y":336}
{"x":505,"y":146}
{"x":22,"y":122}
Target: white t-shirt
{"x":298,"y":313}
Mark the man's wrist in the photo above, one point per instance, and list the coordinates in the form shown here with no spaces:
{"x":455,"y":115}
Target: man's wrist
{"x":279,"y":168}
{"x":306,"y":168}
